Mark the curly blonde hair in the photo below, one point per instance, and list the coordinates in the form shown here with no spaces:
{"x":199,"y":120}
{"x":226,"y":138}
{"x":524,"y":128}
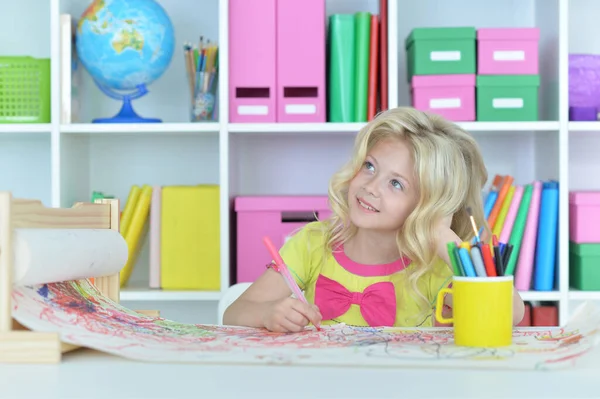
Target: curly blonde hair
{"x":450,"y":172}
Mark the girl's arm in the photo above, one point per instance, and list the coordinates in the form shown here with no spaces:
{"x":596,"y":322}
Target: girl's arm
{"x":248,"y":309}
{"x":268,"y":303}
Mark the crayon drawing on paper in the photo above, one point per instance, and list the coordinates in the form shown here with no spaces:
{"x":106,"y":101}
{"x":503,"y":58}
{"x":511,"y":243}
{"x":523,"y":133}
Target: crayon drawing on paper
{"x":84,"y":317}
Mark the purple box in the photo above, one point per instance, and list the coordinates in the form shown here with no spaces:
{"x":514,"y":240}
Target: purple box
{"x":584,"y":80}
{"x":583,"y":113}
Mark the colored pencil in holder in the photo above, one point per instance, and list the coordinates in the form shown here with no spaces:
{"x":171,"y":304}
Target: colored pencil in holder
{"x":451,"y":246}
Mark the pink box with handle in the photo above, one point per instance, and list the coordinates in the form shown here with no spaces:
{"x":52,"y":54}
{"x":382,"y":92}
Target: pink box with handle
{"x":584,"y":216}
{"x":451,"y":96}
{"x":508,"y":51}
{"x":252,"y":61}
{"x":275,"y":216}
{"x":301,"y":53}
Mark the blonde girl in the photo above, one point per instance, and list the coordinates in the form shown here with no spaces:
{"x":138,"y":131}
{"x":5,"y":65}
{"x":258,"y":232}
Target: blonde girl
{"x":381,"y":258}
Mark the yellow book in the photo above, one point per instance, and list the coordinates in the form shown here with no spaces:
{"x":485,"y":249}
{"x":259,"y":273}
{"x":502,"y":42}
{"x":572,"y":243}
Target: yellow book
{"x":497,"y":230}
{"x":134,"y":194}
{"x":190,"y":238}
{"x":139,"y":217}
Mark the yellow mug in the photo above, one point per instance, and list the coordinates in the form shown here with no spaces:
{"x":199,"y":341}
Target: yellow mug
{"x":482,"y":310}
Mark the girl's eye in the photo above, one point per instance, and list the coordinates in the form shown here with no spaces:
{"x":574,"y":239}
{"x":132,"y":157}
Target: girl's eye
{"x":369,"y":165}
{"x":397,"y":185}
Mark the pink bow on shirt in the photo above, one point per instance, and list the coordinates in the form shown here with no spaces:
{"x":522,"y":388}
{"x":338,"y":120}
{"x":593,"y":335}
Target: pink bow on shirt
{"x":377,"y":302}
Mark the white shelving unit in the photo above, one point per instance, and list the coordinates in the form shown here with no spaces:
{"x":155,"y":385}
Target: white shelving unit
{"x":60,"y":164}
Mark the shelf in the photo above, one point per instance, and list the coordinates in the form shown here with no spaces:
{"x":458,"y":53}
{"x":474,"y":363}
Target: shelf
{"x":238,"y":128}
{"x":25,"y":128}
{"x":540,"y":295}
{"x":509,"y":126}
{"x":145,"y":294}
{"x":139,"y":128}
{"x":584,"y":126}
{"x":295,"y":127}
{"x":584,"y":295}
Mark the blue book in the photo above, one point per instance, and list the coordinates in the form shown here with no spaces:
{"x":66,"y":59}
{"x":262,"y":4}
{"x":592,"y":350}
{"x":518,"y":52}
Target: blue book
{"x":545,"y":257}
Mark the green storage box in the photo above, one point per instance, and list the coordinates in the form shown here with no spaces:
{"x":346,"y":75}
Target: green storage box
{"x":440,"y":51}
{"x":24,"y":90}
{"x":507,"y":98}
{"x":584,"y":266}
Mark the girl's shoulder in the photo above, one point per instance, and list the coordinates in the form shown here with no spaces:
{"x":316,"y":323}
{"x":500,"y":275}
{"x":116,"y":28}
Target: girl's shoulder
{"x":310,"y":232}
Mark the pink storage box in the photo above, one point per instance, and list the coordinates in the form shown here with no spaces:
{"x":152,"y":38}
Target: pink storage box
{"x":276,"y":217}
{"x":301,"y":61}
{"x":584,"y":216}
{"x":451,"y":96}
{"x":509,"y":51}
{"x":252,"y":61}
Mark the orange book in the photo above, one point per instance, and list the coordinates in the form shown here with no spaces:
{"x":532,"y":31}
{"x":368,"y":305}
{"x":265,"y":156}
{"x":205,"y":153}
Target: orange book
{"x":506,"y":183}
{"x":496,"y":182}
{"x":373,"y":63}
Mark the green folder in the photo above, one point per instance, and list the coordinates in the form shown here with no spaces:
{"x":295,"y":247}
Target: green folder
{"x":341,"y":85}
{"x":362,"y":45}
{"x":516,"y":236}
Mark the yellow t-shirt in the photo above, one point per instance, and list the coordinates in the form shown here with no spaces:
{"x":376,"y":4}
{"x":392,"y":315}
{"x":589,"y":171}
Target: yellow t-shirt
{"x":318,"y":271}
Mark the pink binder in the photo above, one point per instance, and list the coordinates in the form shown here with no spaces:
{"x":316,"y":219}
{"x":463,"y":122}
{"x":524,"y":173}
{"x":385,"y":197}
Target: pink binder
{"x":301,"y":39}
{"x":252,"y":74}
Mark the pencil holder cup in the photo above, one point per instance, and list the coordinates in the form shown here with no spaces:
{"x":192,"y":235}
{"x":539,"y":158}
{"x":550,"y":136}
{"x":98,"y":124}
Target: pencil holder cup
{"x":482,"y":311}
{"x":205,"y":100}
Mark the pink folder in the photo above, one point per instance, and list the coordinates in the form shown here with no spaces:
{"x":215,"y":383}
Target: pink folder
{"x":252,"y":61}
{"x":301,"y":39}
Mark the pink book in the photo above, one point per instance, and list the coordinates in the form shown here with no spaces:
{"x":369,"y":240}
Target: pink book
{"x":526,"y":260}
{"x":155,"y":207}
{"x":511,"y":215}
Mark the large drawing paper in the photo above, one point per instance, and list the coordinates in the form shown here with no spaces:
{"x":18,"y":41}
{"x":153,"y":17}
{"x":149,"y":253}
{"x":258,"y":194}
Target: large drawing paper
{"x":85,"y":317}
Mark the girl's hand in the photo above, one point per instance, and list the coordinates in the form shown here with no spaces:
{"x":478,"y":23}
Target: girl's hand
{"x":444,"y":236}
{"x":290,"y":315}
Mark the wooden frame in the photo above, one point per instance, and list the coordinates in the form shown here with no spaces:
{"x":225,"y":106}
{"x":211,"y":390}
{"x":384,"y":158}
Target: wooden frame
{"x":17,"y":343}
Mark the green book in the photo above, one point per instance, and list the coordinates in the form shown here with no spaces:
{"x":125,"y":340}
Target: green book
{"x":516,"y":236}
{"x":362,"y":44}
{"x":341,"y":79}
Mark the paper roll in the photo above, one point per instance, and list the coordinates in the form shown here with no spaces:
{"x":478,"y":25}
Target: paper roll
{"x":53,"y":255}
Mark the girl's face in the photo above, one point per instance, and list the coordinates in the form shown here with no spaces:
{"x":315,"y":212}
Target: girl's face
{"x":384,"y":191}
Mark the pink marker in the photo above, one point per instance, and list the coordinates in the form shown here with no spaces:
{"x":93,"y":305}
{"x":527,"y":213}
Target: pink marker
{"x":282,"y":268}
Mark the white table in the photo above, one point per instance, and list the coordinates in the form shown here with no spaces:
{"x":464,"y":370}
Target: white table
{"x":90,"y":374}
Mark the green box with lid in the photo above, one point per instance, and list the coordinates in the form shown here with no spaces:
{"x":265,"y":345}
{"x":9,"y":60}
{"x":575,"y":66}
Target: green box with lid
{"x":441,"y":51}
{"x":584,"y":266}
{"x":507,"y":98}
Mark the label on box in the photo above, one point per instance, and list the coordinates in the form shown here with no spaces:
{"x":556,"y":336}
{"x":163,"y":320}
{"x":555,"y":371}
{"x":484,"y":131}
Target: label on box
{"x":253,"y":110}
{"x":509,"y":55}
{"x":302,"y":109}
{"x":507,"y":103}
{"x":444,"y":56}
{"x":444,"y":103}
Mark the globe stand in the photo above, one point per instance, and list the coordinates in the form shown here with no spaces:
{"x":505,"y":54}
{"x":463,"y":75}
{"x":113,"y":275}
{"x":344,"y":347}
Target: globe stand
{"x":126,"y":114}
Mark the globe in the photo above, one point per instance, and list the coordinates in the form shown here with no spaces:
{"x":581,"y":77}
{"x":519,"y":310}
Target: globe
{"x":125,"y":45}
